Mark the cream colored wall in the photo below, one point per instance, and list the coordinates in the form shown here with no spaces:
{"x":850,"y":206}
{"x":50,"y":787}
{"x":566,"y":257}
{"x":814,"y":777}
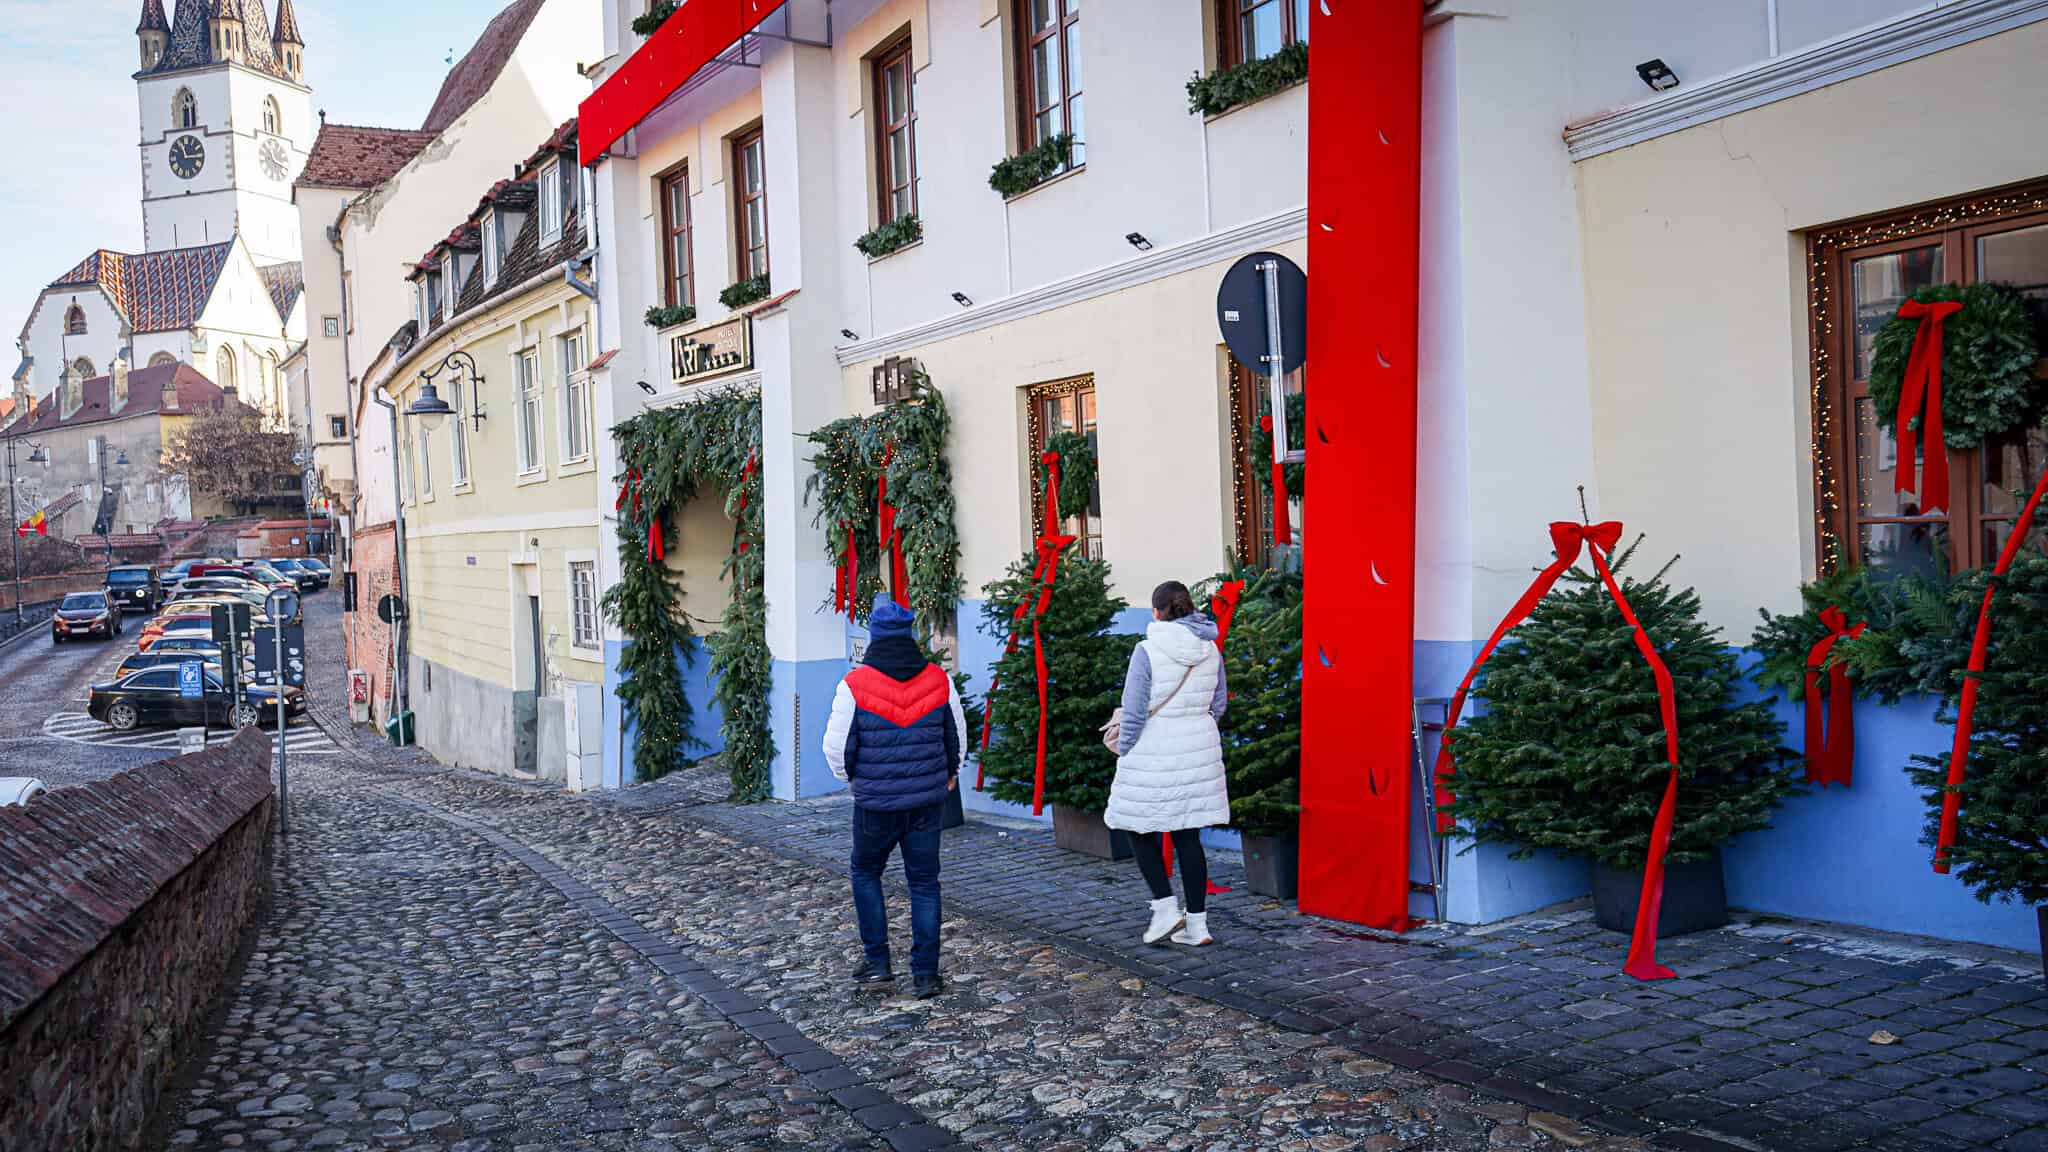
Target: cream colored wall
{"x":1161,"y":408}
{"x":701,"y":537}
{"x":1696,"y":295}
{"x":705,"y":146}
{"x":462,"y":542}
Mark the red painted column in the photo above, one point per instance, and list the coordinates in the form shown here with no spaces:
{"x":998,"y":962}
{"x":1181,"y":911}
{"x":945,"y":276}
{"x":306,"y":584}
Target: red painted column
{"x":1364,"y":224}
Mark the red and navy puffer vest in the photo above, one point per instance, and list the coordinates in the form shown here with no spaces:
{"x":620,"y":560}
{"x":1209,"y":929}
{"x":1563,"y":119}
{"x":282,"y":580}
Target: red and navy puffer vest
{"x":903,"y":747}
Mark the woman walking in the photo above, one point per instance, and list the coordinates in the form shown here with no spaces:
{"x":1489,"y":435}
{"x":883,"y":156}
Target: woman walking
{"x":1169,"y":769}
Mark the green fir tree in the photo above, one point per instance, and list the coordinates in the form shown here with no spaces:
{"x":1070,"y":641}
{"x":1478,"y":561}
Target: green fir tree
{"x":1568,"y":753}
{"x":1261,"y":728}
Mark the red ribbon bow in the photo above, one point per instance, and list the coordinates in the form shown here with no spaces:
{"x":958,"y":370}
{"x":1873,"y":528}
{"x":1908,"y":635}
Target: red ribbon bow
{"x":1049,"y":545}
{"x":1921,"y":387}
{"x":1283,"y":530}
{"x":1830,"y":750}
{"x":1597,"y":539}
{"x":1959,"y":752}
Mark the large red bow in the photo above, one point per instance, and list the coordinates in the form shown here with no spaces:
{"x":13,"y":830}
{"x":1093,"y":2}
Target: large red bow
{"x":1921,"y":387}
{"x":1959,"y":752}
{"x":1830,"y":750}
{"x":1598,"y":540}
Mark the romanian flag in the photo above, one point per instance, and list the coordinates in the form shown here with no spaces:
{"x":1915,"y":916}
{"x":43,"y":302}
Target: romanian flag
{"x":37,"y":524}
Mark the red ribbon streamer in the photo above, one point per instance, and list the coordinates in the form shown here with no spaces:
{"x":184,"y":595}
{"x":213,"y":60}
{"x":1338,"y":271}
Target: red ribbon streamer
{"x":891,"y":539}
{"x":1830,"y":750}
{"x":746,"y":475}
{"x":1959,"y":752}
{"x":1598,"y":540}
{"x":1222,"y":607}
{"x":846,"y":579}
{"x":631,"y":488}
{"x":1283,"y":528}
{"x":1921,"y":386}
{"x":1050,"y":544}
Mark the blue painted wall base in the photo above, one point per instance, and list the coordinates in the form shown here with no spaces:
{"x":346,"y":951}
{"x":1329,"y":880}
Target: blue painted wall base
{"x":707,"y":717}
{"x":799,"y":704}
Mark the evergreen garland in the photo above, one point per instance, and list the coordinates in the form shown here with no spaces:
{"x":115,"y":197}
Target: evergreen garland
{"x":1261,"y":727}
{"x":1297,"y":438}
{"x":1085,"y":676}
{"x":1226,"y":88}
{"x":1077,"y":473}
{"x":675,"y":451}
{"x":1892,"y":604}
{"x":2001,"y":846}
{"x":1987,"y":364}
{"x":1569,"y":754}
{"x":901,"y":232}
{"x":739,"y":295}
{"x":669,"y":315}
{"x":1016,"y":175}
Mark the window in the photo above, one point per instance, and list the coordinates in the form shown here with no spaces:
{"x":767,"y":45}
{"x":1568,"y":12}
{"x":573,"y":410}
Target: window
{"x":273,"y":120}
{"x":675,"y":243}
{"x":330,"y":327}
{"x":426,"y":462}
{"x":419,"y":306}
{"x":550,"y":202}
{"x":896,"y":133}
{"x":1252,"y":497}
{"x":433,"y":280}
{"x":161,"y":359}
{"x":528,"y":365}
{"x":337,"y":427}
{"x":493,"y":239}
{"x":1865,"y":272}
{"x":224,"y":369}
{"x":575,"y":398}
{"x":184,"y":110}
{"x":1067,"y":406}
{"x":1049,"y":75}
{"x":458,"y":433}
{"x":406,"y":474}
{"x":1254,"y":29}
{"x":83,"y":366}
{"x":750,"y":186}
{"x":583,"y":605}
{"x":74,"y":321}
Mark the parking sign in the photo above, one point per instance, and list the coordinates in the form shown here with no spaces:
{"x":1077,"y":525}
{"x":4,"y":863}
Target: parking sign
{"x":191,"y":680}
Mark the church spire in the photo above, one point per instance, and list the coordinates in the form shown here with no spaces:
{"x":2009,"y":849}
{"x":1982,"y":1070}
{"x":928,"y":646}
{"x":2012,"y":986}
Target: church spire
{"x":154,"y":33}
{"x":286,"y":47}
{"x":225,"y":32}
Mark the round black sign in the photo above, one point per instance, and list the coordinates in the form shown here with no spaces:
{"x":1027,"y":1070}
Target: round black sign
{"x":390,"y":609}
{"x":1241,"y":312}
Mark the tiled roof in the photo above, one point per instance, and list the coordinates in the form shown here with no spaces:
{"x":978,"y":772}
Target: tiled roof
{"x":153,"y":17}
{"x":478,"y":69}
{"x":191,"y":47}
{"x":156,"y":291}
{"x":145,"y":397}
{"x":287,"y":25}
{"x":347,"y":156}
{"x":524,"y":256}
{"x":286,"y":281}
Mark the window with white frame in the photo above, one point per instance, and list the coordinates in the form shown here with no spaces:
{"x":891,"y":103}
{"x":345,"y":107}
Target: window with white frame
{"x":492,"y":254}
{"x":575,"y":398}
{"x":419,"y":306}
{"x":550,"y":182}
{"x":426,"y":464}
{"x":408,"y":470}
{"x":458,"y":433}
{"x":583,"y":631}
{"x":528,"y":370}
{"x":433,"y":297}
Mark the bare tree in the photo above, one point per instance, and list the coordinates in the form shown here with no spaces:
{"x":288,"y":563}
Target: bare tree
{"x":227,"y":454}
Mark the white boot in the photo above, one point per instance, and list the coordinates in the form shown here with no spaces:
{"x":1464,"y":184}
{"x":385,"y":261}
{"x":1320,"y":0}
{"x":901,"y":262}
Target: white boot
{"x":1196,"y":932}
{"x":1165,"y":918}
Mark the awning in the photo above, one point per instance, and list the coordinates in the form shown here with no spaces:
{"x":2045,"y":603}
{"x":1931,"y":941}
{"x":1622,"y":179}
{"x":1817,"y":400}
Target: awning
{"x":690,"y":39}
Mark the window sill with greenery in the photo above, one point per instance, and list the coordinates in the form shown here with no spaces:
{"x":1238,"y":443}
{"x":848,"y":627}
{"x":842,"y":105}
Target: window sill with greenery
{"x":894,"y":236}
{"x":738,"y":296}
{"x":670,"y":316}
{"x":1249,"y":82}
{"x":657,"y":15}
{"x":1016,"y":175}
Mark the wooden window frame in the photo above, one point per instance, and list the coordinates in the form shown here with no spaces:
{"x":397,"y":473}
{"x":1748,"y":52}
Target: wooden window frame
{"x":883,"y":62}
{"x":677,"y":291}
{"x":744,"y":246}
{"x":1955,"y":225}
{"x":1035,"y":398}
{"x":1230,"y":40}
{"x":1028,"y":107}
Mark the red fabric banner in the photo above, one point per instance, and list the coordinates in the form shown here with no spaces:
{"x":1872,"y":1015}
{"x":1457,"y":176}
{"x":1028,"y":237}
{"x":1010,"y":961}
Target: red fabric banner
{"x":690,"y":39}
{"x":1358,"y":636}
{"x":1980,"y":646}
{"x":1283,"y":529}
{"x":1830,"y":727}
{"x":891,"y":539}
{"x":1921,"y":388}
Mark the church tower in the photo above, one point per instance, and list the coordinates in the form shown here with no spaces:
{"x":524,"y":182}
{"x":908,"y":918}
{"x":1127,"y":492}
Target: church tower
{"x":226,"y":120}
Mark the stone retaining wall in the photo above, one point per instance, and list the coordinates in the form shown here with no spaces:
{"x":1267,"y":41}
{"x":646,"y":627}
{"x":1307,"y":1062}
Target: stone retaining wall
{"x":122,"y":904}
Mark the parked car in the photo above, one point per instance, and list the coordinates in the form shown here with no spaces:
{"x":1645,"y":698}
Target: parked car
{"x":269,"y":576}
{"x":134,"y":587}
{"x":320,"y":566}
{"x":175,"y":651}
{"x":151,"y":696}
{"x":174,"y":575}
{"x":308,"y":580}
{"x":219,"y":582}
{"x":85,"y":614}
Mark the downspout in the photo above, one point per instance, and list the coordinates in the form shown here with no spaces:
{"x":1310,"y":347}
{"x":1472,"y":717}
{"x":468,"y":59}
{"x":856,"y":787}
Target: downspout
{"x":402,"y":699}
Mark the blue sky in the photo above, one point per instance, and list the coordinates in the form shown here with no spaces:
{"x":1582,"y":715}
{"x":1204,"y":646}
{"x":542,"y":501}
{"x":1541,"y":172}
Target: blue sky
{"x":73,"y":179}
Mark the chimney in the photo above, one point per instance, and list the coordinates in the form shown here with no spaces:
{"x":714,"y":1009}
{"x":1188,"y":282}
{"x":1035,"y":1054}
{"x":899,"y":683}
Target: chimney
{"x":73,"y":395}
{"x":119,"y":375}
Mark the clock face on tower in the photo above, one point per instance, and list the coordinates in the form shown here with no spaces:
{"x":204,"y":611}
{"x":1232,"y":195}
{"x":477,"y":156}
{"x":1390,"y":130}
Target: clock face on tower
{"x":188,"y":156}
{"x":275,"y":161}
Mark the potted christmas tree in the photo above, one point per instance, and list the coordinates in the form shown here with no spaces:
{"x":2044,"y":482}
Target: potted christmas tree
{"x":2003,"y":818}
{"x":1084,"y":680}
{"x":1262,"y":730}
{"x":1569,"y":753}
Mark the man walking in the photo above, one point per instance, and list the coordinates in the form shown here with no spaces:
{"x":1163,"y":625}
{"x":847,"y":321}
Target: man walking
{"x":897,"y":734}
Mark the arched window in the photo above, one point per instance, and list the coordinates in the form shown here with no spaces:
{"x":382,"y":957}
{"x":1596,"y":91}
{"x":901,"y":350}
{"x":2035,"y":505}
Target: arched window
{"x":161,"y":359}
{"x":184,"y":110}
{"x":74,"y":321}
{"x":224,"y":369}
{"x":83,"y":367}
{"x":273,"y":120}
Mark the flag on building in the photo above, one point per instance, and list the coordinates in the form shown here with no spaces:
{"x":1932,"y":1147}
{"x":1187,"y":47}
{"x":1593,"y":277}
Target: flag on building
{"x":38,"y":524}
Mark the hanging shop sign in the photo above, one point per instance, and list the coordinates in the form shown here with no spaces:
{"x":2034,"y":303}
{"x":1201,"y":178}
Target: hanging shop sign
{"x":701,"y":354}
{"x":895,"y":380}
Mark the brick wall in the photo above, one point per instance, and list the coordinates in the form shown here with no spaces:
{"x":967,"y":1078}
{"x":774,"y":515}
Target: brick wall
{"x":122,"y":904}
{"x":375,"y":564}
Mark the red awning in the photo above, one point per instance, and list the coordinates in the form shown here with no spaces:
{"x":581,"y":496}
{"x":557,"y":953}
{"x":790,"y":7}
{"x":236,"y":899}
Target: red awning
{"x":690,"y":39}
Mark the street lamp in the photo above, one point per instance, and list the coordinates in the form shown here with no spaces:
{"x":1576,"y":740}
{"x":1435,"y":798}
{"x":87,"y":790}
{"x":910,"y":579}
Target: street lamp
{"x":36,"y":455}
{"x":106,"y":512}
{"x":430,"y":407}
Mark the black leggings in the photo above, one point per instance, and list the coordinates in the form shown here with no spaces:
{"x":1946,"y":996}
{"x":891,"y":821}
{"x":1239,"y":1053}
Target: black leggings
{"x":1187,"y":851}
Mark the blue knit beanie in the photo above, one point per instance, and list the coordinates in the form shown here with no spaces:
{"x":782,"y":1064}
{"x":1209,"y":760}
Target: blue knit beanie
{"x":888,"y":619}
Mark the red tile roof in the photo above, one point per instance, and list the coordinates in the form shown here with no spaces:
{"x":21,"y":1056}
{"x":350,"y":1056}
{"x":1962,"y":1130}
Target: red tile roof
{"x":145,"y":397}
{"x":478,"y":69}
{"x":156,"y":291}
{"x":348,"y":156}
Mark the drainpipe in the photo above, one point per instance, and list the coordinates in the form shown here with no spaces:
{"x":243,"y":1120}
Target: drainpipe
{"x":402,"y":625}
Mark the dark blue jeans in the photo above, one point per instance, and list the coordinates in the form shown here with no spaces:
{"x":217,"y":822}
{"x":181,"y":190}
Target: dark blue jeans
{"x":875,"y":835}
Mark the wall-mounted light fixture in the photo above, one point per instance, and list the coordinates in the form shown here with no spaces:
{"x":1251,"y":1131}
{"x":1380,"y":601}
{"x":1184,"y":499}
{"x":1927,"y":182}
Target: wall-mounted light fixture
{"x":644,"y":386}
{"x":430,"y":407}
{"x":1138,"y":241}
{"x":1658,"y":75}
{"x":848,"y":333}
{"x":961,"y":299}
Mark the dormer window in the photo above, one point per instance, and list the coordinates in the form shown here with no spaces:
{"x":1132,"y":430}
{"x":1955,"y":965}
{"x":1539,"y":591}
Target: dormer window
{"x":419,"y":306}
{"x":433,"y":295}
{"x":550,"y":182}
{"x":494,"y":244}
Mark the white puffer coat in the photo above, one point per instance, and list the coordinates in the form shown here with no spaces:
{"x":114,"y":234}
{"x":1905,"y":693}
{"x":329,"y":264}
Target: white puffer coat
{"x":1172,"y":778}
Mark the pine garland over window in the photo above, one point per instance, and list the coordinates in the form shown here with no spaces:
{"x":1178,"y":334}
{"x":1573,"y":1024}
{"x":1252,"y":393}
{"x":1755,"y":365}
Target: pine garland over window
{"x":1987,"y":364}
{"x":671,"y":454}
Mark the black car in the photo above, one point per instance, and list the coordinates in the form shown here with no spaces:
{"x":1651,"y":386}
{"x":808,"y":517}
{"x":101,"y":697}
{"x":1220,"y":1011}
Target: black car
{"x":319,"y":568}
{"x":134,"y":588}
{"x":307,"y":579}
{"x":152,"y":696}
{"x":86,"y":614}
{"x":175,"y":651}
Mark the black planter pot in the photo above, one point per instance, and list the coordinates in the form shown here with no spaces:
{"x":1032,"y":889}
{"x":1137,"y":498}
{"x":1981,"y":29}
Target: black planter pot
{"x":1084,"y":832}
{"x":1695,"y":898}
{"x":1272,"y":865}
{"x":955,"y":816}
